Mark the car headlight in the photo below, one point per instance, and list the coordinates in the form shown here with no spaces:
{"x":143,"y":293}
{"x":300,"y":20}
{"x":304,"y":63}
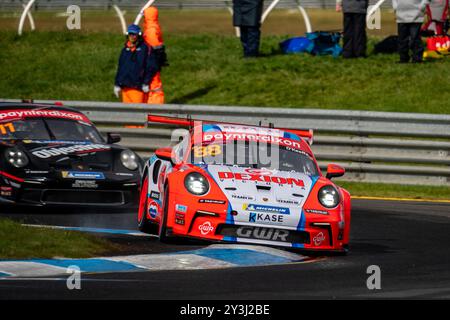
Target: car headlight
{"x":16,"y":158}
{"x":328,"y":196}
{"x":196,"y":184}
{"x":129,"y":160}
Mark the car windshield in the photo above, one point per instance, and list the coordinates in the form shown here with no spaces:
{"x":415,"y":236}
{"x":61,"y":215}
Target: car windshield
{"x":245,"y":154}
{"x":48,"y":129}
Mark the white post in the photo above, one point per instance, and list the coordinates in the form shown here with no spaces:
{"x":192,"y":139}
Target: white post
{"x":30,"y":19}
{"x":375,"y":7}
{"x":121,"y":18}
{"x":24,"y":15}
{"x":269,"y":9}
{"x":306,"y":19}
{"x":141,"y":13}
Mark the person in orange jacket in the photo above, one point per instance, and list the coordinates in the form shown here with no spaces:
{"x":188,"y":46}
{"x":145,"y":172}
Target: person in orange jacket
{"x":137,"y":67}
{"x":153,"y":38}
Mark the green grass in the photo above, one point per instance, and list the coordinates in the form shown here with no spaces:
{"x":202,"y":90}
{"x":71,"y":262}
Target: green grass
{"x":208,"y":69}
{"x":20,"y":242}
{"x":396,"y":191}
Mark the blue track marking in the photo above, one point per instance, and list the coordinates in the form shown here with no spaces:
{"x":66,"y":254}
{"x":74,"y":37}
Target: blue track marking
{"x":240,"y":257}
{"x":91,"y":265}
{"x":4,"y":275}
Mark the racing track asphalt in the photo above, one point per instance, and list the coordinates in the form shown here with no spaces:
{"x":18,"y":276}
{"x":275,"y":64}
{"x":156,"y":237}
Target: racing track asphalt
{"x":408,"y":241}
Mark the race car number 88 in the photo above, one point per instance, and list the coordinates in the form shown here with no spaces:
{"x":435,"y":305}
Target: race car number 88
{"x":7,"y":128}
{"x":205,"y":151}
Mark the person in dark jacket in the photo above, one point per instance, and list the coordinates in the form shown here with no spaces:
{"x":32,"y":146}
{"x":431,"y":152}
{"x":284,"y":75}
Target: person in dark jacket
{"x":355,"y":37}
{"x":137,"y":67}
{"x":410,"y":16}
{"x":247,"y":16}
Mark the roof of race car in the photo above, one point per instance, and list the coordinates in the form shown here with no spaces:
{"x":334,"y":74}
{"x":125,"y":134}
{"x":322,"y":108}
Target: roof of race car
{"x":10,"y":110}
{"x":210,"y":132}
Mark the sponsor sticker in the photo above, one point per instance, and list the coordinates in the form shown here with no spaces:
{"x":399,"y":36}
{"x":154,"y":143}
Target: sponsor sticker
{"x":88,"y":184}
{"x":225,"y":175}
{"x":205,"y":228}
{"x":265,"y":208}
{"x":264,"y":217}
{"x":285,"y":201}
{"x":319,"y":239}
{"x":323,"y":212}
{"x":181,"y":208}
{"x":83,"y":175}
{"x":155,"y":195}
{"x":179,"y":218}
{"x":54,"y":152}
{"x":25,"y":113}
{"x":153,"y":210}
{"x":211,"y":201}
{"x":241,"y":197}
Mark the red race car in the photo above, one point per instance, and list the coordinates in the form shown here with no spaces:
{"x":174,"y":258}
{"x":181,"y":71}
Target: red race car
{"x":236,"y":183}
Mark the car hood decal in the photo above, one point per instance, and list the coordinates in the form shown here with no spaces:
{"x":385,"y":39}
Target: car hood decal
{"x":262,"y":196}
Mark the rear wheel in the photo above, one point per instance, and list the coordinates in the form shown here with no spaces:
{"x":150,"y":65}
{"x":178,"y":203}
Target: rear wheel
{"x":143,"y":224}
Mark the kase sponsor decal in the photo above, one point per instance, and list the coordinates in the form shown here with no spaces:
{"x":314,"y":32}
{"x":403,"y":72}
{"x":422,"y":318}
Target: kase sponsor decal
{"x":205,"y":228}
{"x":264,"y":217}
{"x":54,"y":152}
{"x":264,"y":208}
{"x":223,"y":175}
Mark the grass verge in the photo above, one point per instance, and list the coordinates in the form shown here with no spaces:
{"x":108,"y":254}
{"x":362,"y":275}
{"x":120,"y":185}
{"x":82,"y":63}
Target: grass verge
{"x":209,"y":69}
{"x":20,"y":242}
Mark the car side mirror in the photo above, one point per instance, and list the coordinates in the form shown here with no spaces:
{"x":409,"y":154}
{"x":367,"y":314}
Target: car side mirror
{"x":113,"y":138}
{"x":164,"y":154}
{"x":334,"y":171}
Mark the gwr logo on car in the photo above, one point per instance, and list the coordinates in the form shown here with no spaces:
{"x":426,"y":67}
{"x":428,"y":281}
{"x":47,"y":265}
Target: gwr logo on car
{"x":205,"y":228}
{"x":263,"y":233}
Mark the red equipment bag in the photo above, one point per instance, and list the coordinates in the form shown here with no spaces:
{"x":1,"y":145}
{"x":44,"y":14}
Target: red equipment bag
{"x":437,"y":43}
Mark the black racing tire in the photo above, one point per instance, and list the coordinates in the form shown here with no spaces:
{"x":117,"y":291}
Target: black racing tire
{"x":163,"y":227}
{"x":144,"y":225}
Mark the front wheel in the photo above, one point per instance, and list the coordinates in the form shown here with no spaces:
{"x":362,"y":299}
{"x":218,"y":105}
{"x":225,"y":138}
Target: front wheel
{"x":144,"y":225}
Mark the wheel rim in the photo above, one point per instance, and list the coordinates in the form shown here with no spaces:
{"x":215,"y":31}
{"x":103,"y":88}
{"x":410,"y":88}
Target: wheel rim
{"x":143,"y":200}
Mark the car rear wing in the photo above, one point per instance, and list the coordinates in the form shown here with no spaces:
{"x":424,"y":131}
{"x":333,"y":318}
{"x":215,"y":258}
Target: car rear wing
{"x":188,"y":122}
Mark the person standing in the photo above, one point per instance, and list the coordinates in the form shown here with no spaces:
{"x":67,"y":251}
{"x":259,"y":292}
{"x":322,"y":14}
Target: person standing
{"x":137,"y":67}
{"x":410,"y":15}
{"x":247,"y":16}
{"x":355,"y":37}
{"x":154,"y":39}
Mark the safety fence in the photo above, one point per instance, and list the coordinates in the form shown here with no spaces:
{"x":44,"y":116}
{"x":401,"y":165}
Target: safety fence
{"x":170,"y":4}
{"x":388,"y":147}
